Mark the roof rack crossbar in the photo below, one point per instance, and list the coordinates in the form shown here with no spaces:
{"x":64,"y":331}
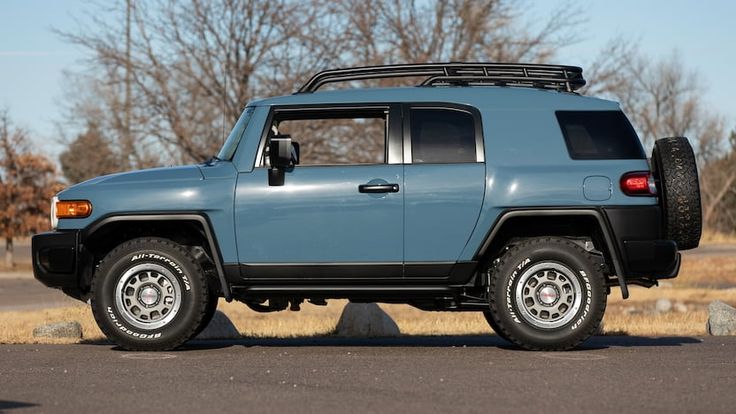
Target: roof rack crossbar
{"x":562,"y":78}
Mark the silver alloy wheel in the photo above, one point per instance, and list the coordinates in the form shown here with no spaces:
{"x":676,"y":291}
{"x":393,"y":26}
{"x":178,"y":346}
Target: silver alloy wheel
{"x":148,"y":296}
{"x":548,"y":295}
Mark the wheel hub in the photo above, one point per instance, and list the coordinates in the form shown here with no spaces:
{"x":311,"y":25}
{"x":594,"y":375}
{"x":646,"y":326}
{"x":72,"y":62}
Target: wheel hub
{"x":548,"y":295}
{"x":148,"y":296}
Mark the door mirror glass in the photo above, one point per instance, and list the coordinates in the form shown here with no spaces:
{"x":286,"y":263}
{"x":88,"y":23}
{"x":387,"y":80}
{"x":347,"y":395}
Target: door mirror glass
{"x":283,"y":152}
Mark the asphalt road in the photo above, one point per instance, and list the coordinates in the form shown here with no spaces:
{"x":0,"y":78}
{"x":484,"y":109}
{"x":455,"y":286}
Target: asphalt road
{"x":27,"y":293}
{"x":448,"y":374}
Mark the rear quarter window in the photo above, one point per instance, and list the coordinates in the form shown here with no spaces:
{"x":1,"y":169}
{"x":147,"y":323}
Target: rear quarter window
{"x":599,"y":135}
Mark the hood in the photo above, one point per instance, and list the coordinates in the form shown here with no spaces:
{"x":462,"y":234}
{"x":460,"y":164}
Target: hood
{"x":186,"y":172}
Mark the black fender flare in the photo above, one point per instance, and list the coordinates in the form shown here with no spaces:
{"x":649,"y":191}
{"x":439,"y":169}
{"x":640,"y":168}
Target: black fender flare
{"x":169,"y":216}
{"x":595,"y":213}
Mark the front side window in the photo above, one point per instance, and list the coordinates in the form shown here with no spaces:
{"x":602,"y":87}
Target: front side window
{"x":442,"y":136}
{"x":335,"y":137}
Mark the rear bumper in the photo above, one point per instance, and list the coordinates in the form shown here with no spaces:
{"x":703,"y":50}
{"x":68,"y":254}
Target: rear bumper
{"x":655,"y":258}
{"x":56,"y":259}
{"x":638,"y":235}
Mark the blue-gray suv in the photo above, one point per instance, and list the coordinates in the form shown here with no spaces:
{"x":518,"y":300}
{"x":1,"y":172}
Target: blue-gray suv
{"x":487,"y":187}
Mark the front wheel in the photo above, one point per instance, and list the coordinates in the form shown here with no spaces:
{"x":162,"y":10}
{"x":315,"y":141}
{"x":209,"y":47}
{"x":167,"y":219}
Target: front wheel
{"x":149,"y":294}
{"x":547,"y":294}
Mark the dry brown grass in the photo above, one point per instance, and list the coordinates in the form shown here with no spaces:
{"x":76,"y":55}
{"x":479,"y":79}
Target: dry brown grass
{"x":20,"y":267}
{"x":713,"y":237}
{"x":17,"y":326}
{"x":634,"y":316}
{"x":706,"y":271}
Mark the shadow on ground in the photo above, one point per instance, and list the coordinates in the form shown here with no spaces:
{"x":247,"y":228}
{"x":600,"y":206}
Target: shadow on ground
{"x":10,"y":405}
{"x":491,"y":341}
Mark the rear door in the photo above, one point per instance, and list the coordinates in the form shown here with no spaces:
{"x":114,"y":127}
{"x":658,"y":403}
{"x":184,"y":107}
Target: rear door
{"x":339,"y":214}
{"x":444,"y":182}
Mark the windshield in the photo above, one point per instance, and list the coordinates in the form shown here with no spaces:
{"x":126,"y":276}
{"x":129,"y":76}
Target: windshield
{"x":231,"y":144}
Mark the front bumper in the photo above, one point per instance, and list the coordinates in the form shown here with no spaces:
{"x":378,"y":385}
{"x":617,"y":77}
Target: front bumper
{"x":56,"y":259}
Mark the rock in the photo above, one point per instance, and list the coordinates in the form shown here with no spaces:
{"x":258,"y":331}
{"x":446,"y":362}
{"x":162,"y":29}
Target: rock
{"x":721,"y":319}
{"x":632,"y":310}
{"x":663,"y":305}
{"x":680,"y":307}
{"x":366,"y":320}
{"x":69,"y":329}
{"x":220,"y":327}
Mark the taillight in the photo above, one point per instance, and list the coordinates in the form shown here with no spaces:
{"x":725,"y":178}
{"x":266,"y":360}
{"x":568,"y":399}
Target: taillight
{"x":639,"y":183}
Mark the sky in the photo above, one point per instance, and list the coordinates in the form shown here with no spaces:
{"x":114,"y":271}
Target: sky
{"x":33,"y":57}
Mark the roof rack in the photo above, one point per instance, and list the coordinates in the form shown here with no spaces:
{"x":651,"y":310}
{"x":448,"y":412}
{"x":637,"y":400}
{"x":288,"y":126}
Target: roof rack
{"x":555,"y":77}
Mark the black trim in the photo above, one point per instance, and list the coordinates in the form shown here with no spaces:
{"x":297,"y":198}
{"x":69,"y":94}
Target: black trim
{"x":658,"y":259}
{"x":55,"y":258}
{"x":613,"y":248}
{"x":474,"y":112}
{"x":556,"y":77}
{"x":638,"y":231}
{"x":428,"y":270}
{"x":169,"y":216}
{"x":339,"y":290}
{"x":390,"y":273}
{"x":318,"y":271}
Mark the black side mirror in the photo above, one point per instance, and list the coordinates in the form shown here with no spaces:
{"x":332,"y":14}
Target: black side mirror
{"x":283,"y":154}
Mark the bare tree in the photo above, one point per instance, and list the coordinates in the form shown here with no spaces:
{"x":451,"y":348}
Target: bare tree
{"x":663,"y":98}
{"x":27,"y":182}
{"x":193,"y":65}
{"x":88,"y":156}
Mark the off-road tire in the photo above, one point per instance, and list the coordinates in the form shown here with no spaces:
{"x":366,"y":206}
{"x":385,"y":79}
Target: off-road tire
{"x":518,"y":262}
{"x":496,"y":329}
{"x":679,"y":192}
{"x":208,"y":315}
{"x":174,"y":261}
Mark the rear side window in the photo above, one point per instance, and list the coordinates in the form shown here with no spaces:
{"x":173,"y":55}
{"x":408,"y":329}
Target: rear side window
{"x":442,"y":136}
{"x":599,"y":135}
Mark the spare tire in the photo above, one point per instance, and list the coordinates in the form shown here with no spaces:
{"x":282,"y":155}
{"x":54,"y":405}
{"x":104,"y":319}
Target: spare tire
{"x":676,"y":174}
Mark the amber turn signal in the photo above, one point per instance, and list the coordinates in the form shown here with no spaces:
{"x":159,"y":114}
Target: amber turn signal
{"x":73,"y":209}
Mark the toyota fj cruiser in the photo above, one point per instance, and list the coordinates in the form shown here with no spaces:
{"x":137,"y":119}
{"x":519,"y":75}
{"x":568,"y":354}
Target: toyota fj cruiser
{"x":488,"y":187}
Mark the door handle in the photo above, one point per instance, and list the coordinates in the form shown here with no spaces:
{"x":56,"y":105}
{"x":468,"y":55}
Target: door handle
{"x":378,"y":188}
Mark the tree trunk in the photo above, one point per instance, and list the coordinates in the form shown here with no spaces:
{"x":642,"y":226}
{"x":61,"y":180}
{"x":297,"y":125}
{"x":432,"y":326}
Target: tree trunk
{"x":9,"y":253}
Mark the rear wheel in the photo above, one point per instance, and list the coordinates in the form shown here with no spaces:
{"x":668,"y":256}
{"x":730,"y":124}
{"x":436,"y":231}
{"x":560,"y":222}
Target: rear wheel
{"x":149,"y":294}
{"x":547,"y":294}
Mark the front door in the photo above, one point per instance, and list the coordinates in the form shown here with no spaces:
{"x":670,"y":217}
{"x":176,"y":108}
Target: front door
{"x":339,"y":214}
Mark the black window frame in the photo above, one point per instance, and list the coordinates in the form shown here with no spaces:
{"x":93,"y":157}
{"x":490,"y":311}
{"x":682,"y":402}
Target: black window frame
{"x":573,"y":154}
{"x":477,"y":127}
{"x":393,"y":143}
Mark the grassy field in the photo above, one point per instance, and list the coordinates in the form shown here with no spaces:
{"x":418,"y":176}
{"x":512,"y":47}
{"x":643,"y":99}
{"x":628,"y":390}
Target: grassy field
{"x":700,"y":282}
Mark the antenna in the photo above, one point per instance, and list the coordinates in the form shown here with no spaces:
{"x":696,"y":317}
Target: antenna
{"x":224,"y":107}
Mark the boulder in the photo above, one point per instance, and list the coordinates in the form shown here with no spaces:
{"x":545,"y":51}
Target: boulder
{"x":220,"y":327}
{"x":69,"y":329}
{"x":721,"y":319}
{"x":680,"y":307}
{"x":366,"y":320}
{"x":663,"y":305}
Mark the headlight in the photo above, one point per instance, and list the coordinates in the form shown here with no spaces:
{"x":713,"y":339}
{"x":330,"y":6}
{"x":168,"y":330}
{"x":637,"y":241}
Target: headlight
{"x":54,"y":220}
